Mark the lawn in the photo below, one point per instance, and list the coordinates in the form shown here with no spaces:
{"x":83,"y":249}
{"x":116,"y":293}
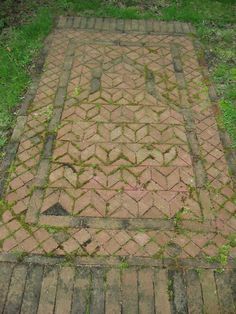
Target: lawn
{"x":24,"y":25}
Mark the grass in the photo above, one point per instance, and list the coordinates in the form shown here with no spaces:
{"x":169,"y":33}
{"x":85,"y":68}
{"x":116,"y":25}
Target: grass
{"x":24,"y":26}
{"x":17,"y":49}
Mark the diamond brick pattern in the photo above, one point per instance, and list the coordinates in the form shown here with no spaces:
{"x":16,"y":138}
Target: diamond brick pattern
{"x":119,"y":177}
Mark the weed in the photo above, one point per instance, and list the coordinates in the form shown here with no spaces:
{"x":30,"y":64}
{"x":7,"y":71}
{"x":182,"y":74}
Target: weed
{"x":170,"y":289}
{"x":4,"y":206}
{"x":47,"y":112}
{"x":123,"y":265}
{"x":20,"y":255}
{"x":53,"y":230}
{"x":232,"y":240}
{"x":178,"y":217}
{"x":78,"y":90}
{"x":221,"y":257}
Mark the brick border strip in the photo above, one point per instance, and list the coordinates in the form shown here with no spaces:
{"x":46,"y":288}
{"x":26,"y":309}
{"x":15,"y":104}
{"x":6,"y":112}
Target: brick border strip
{"x":229,"y":151}
{"x":180,"y":263}
{"x":128,"y":25}
{"x":125,"y":223}
{"x":44,"y":163}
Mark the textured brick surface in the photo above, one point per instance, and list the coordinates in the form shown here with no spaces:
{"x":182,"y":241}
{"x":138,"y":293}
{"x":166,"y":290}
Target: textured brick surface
{"x":65,"y":289}
{"x":119,"y":153}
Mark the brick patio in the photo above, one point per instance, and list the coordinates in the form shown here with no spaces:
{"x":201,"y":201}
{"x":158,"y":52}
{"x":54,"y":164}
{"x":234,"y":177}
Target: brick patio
{"x":116,"y":151}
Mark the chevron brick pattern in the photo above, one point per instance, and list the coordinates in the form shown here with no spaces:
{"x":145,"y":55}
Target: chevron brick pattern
{"x":106,"y":158}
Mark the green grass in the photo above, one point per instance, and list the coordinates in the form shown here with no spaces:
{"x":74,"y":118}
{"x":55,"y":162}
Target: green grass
{"x":17,"y":51}
{"x":24,"y":31}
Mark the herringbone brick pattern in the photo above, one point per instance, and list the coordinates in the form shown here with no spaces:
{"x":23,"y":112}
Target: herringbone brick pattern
{"x":120,"y":153}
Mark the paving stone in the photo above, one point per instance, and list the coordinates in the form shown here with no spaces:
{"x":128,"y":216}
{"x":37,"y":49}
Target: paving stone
{"x":194,"y":292}
{"x":145,"y":287}
{"x":162,"y":303}
{"x":179,"y":292}
{"x":224,"y":292}
{"x":5,"y":278}
{"x":64,"y":290}
{"x":97,"y":303}
{"x":16,"y":289}
{"x":209,"y":292}
{"x":32,"y":289}
{"x":130,"y":291}
{"x":48,"y":290}
{"x":81,"y":295}
{"x":113,"y":292}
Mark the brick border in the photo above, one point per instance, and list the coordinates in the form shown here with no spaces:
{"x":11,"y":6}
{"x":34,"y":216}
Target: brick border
{"x":124,"y":26}
{"x":126,"y":223}
{"x":229,"y":151}
{"x":44,"y":163}
{"x":111,"y":261}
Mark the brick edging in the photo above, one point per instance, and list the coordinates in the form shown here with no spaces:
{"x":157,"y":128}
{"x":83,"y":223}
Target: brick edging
{"x":127,"y":25}
{"x":112,"y":261}
{"x":229,"y":151}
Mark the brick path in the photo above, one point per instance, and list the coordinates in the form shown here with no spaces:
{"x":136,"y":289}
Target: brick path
{"x":37,"y":288}
{"x":116,"y":150}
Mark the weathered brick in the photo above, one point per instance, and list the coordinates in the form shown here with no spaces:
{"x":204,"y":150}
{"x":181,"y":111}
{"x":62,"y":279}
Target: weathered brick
{"x":62,"y":21}
{"x":113,"y":289}
{"x":97,"y":304}
{"x":83,"y":22}
{"x":224,"y":292}
{"x":32,"y":289}
{"x":48,"y":290}
{"x":16,"y":289}
{"x":162,"y":303}
{"x":69,"y":21}
{"x":90,"y":22}
{"x":149,"y":25}
{"x":146,"y":300}
{"x":209,"y":292}
{"x":19,"y":128}
{"x":178,"y":27}
{"x":98,"y":23}
{"x":128,"y":25}
{"x":5,"y":277}
{"x":156,"y":26}
{"x":130,"y":291}
{"x":194,"y":293}
{"x":81,"y":294}
{"x":120,"y":25}
{"x":64,"y":290}
{"x":135,"y":25}
{"x":77,"y":20}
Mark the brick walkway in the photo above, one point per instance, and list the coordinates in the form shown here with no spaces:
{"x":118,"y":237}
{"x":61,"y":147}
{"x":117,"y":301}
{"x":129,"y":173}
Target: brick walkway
{"x":37,"y":288}
{"x":116,"y":151}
